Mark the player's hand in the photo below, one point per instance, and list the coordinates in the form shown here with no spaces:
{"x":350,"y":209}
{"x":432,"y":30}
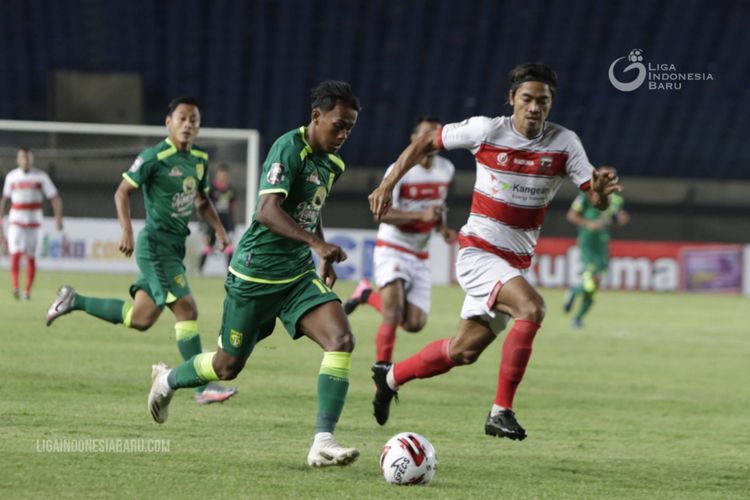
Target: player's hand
{"x":449,"y":235}
{"x":432,"y":214}
{"x":605,"y":181}
{"x":329,"y":252}
{"x":222,"y":240}
{"x":126,"y":243}
{"x":59,"y":225}
{"x":327,"y":272}
{"x":380,"y":201}
{"x":595,"y":225}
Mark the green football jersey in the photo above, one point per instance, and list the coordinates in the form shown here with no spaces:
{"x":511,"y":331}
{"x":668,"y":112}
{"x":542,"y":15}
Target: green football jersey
{"x":304,"y":178}
{"x":586,"y":209}
{"x":170,"y":180}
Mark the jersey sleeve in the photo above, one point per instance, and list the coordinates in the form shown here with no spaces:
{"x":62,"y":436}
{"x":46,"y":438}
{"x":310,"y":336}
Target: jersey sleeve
{"x":141,"y":169}
{"x":467,"y":134}
{"x":48,"y":187}
{"x":279,"y":170}
{"x":203,"y":182}
{"x":6,"y":188}
{"x":578,"y":167}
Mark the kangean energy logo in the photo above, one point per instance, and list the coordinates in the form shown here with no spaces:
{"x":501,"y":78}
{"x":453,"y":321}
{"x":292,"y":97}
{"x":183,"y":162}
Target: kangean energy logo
{"x":657,"y":76}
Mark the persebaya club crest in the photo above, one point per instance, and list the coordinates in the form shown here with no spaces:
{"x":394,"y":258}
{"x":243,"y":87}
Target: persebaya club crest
{"x":235,"y":338}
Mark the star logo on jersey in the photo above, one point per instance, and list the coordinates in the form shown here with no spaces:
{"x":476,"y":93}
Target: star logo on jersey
{"x":235,"y":338}
{"x":502,"y":159}
{"x":175,"y":172}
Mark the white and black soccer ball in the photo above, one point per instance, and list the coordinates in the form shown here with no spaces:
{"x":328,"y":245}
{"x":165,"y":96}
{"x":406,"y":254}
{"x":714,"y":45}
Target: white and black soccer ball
{"x":408,"y":458}
{"x":636,"y":55}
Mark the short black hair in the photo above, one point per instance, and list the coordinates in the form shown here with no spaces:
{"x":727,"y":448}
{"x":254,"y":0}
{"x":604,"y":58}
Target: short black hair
{"x":186,"y":99}
{"x":532,"y":72}
{"x":425,"y":118}
{"x":326,"y":94}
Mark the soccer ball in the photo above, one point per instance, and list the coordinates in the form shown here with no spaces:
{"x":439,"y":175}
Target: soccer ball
{"x":408,"y":458}
{"x":636,"y":55}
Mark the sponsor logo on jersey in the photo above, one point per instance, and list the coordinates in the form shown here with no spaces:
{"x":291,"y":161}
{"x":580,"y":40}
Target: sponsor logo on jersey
{"x":545,"y":163}
{"x":502,"y":159}
{"x":235,"y":338}
{"x":531,"y":191}
{"x":180,"y":280}
{"x":175,"y":172}
{"x":275,"y":173}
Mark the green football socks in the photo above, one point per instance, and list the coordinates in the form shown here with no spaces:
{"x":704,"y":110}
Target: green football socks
{"x":333,"y":383}
{"x":194,"y":372}
{"x":112,"y":310}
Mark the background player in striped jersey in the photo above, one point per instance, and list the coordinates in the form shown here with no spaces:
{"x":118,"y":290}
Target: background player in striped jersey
{"x":521,"y":161}
{"x":25,"y":188}
{"x":402,"y":270}
{"x":174,"y":177}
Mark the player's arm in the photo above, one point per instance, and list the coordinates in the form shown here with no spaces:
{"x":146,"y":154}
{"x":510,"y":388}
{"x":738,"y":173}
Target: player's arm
{"x":380,"y":198}
{"x":57,"y":209}
{"x":122,"y":203}
{"x":207,"y":211}
{"x":3,"y":206}
{"x":271,"y":215}
{"x":399,"y":217}
{"x":326,"y":270}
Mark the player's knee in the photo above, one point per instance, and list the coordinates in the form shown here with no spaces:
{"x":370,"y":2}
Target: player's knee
{"x":532,"y":309}
{"x":228,"y":369}
{"x":142,"y":324}
{"x":466,"y":356}
{"x":343,"y":342}
{"x":414,"y":326}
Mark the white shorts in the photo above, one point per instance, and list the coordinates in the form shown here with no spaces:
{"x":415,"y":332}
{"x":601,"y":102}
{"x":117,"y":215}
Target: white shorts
{"x":22,"y":239}
{"x":392,"y":264}
{"x":482,"y":275}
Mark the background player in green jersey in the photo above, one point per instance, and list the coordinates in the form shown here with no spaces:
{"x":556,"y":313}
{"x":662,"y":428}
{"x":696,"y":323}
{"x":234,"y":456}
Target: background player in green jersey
{"x":173,"y":175}
{"x":594,"y":232}
{"x":272,"y":274}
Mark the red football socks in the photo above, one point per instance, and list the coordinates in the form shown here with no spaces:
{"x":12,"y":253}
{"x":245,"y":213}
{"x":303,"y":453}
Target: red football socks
{"x":432,"y":360}
{"x":384,"y":341}
{"x":516,"y":354}
{"x":30,"y":273}
{"x":15,"y":269}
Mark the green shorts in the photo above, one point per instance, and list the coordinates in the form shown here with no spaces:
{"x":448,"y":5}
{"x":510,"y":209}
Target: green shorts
{"x":162,"y":270}
{"x":251,"y":309}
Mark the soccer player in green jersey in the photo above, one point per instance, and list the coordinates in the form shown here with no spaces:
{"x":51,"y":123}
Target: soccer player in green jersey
{"x":594,"y":231}
{"x":272,"y":274}
{"x":173,"y":176}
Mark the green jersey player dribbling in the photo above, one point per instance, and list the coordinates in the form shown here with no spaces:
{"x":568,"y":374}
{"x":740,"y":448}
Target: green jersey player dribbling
{"x":594,"y":233}
{"x":272,"y":273}
{"x":173,"y":177}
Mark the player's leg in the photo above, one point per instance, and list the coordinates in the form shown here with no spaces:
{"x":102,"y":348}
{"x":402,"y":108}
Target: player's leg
{"x":15,"y":249}
{"x":31,"y":236}
{"x":189,"y":344}
{"x":590,"y":279}
{"x":519,"y":300}
{"x":417,"y":298}
{"x":326,"y":324}
{"x":393,"y":298}
{"x":249,"y":315}
{"x":209,"y":240}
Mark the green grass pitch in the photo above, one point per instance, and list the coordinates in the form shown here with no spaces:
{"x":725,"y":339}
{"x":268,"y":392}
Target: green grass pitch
{"x":650,"y":401}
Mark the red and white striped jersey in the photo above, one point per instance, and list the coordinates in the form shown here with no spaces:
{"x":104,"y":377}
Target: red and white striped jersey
{"x":26,"y":191}
{"x":418,"y":189}
{"x":516,"y":180}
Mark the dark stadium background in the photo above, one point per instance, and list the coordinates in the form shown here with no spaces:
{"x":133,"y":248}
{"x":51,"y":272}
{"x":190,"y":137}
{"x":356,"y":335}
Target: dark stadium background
{"x":682,"y":153}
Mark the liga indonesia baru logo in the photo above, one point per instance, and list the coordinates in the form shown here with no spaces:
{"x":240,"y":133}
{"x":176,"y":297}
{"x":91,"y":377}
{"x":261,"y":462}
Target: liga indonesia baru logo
{"x":660,"y":76}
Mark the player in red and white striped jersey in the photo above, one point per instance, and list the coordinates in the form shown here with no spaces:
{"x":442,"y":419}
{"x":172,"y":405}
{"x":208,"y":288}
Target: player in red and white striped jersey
{"x":25,"y":188}
{"x":402,"y":271}
{"x":521,"y":161}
